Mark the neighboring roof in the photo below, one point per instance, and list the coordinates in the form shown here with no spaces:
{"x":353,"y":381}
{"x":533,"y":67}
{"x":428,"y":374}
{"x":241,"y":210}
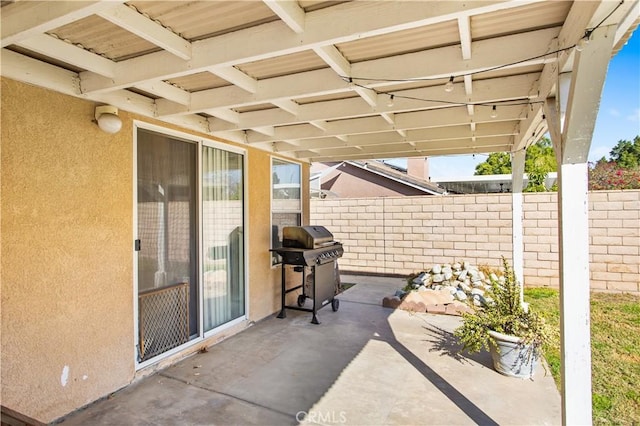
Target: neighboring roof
{"x":485,"y":183}
{"x":390,"y":172}
{"x":313,"y":79}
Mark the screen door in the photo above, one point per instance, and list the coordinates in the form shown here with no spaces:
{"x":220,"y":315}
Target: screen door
{"x":167,"y":243}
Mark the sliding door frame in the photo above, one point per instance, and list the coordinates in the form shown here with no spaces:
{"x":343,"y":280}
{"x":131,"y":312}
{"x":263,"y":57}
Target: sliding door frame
{"x":200,"y":142}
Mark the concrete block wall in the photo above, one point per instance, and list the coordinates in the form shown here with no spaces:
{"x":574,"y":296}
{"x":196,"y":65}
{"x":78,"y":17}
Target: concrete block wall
{"x":614,"y":220}
{"x":402,"y":235}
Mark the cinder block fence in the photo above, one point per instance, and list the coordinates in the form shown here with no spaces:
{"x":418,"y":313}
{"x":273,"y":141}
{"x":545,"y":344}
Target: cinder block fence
{"x":402,"y":235}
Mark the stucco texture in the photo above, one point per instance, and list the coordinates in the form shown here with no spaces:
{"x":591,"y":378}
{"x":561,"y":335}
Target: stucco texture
{"x":67,"y":327}
{"x":67,"y":253}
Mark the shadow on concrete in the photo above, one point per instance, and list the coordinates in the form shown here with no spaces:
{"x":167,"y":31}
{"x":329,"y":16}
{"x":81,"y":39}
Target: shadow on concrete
{"x":454,"y":395}
{"x":364,"y":364}
{"x":446,"y":344}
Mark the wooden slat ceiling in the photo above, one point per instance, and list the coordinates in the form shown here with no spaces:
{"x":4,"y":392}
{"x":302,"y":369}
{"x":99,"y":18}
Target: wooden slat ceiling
{"x":314,"y":80}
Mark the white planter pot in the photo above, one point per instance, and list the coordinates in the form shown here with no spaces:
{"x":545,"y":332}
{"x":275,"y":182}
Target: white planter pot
{"x":511,"y":357}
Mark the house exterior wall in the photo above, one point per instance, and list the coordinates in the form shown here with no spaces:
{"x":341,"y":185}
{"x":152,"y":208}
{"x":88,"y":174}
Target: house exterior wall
{"x":406,"y":235}
{"x":67,"y":332}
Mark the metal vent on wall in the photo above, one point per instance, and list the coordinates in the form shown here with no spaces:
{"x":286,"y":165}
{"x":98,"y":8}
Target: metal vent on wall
{"x":164,"y":319}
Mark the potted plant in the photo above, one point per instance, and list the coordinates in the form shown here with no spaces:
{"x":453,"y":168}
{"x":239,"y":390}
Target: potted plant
{"x":508,"y":329}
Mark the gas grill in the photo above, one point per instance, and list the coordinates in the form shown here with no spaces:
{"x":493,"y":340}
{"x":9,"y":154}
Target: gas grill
{"x":313,"y":252}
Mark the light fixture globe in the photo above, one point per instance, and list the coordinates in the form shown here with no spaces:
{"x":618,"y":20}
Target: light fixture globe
{"x":108,"y":120}
{"x":449,"y":86}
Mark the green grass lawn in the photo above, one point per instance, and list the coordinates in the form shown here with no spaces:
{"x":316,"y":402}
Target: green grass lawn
{"x":615,"y":352}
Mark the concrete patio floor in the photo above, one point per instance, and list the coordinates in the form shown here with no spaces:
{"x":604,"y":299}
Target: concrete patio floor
{"x":363,"y":365}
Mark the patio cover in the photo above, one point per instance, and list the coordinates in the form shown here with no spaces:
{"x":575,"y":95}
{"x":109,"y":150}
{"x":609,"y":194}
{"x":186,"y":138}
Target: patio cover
{"x":334,"y":81}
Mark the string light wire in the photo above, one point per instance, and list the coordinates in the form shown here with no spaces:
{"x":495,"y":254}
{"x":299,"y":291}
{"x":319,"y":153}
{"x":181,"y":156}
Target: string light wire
{"x":449,"y":85}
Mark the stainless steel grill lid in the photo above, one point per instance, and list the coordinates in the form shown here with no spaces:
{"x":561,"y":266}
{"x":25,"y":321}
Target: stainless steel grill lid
{"x":306,"y":237}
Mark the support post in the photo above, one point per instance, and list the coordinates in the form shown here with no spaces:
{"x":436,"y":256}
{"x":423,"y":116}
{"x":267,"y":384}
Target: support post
{"x":517,"y":234}
{"x":572,"y":137}
{"x":574,"y":294}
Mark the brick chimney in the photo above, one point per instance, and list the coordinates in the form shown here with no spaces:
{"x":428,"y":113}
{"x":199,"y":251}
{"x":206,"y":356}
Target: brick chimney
{"x":418,"y":167}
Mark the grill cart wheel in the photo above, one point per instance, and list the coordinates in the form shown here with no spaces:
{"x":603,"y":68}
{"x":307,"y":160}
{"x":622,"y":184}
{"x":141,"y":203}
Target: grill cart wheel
{"x":335,"y":304}
{"x":301,"y":299}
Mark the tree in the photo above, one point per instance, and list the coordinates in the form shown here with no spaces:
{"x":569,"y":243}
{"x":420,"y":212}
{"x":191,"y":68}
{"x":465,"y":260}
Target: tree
{"x":498,"y":163}
{"x":539,"y":161}
{"x":626,"y":154}
{"x":540,"y":157}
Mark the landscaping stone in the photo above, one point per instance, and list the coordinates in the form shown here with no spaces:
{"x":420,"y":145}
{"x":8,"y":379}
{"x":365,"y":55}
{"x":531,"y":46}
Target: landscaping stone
{"x":413,"y":306}
{"x":391,"y":302}
{"x":450,"y":289}
{"x":457,"y":308}
{"x":435,"y":297}
{"x":438,"y":278}
{"x":414,"y":297}
{"x":477,"y":291}
{"x":420,"y":279}
{"x":437,"y":309}
{"x":401,"y":293}
{"x":461,"y":295}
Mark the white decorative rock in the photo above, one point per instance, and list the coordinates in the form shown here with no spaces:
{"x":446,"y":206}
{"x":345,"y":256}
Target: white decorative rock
{"x":465,"y":287}
{"x":463,"y":275}
{"x":438,"y":278}
{"x":461,"y":295}
{"x":456,"y":266}
{"x":422,"y":288}
{"x":448,"y":275}
{"x":436,"y":269}
{"x":451,"y":289}
{"x":477,"y":291}
{"x":493,"y":277}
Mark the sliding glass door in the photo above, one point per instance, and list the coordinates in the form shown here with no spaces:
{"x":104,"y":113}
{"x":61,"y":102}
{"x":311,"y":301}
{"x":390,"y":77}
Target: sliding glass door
{"x":190,"y":255}
{"x":222,"y":236}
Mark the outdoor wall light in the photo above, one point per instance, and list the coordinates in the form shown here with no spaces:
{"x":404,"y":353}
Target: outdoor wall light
{"x":107,"y":118}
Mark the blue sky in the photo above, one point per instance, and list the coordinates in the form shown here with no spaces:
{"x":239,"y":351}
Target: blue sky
{"x":618,"y":118}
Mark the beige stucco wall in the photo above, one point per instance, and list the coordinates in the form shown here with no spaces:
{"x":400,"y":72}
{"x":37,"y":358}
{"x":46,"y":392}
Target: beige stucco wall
{"x":67,"y":261}
{"x":67,"y":327}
